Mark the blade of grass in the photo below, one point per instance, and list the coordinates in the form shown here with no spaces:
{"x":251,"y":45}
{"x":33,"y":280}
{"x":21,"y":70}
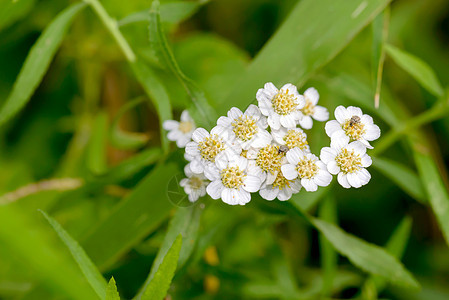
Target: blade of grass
{"x":89,"y":270}
{"x":111,"y":291}
{"x":158,"y":287}
{"x":132,"y":219}
{"x":37,"y":62}
{"x":417,"y":68}
{"x":96,"y":153}
{"x":302,"y":45}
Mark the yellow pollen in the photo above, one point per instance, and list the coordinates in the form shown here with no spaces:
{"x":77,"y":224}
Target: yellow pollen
{"x":281,"y":182}
{"x":307,"y":168}
{"x":353,"y":130}
{"x":244,"y":127}
{"x":195,"y":182}
{"x":309,"y":108}
{"x":269,"y":159}
{"x":244,"y":153}
{"x":232,"y":177}
{"x":284,"y":103}
{"x":185,"y":127}
{"x":348,"y":161}
{"x":295,"y":138}
{"x":210,"y":147}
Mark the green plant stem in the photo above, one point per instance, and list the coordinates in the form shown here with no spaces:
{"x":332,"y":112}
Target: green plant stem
{"x":438,"y":111}
{"x":112,"y":26}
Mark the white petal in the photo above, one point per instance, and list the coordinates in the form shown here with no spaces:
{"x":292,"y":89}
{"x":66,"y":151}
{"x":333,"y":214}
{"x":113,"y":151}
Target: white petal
{"x":312,"y":94}
{"x":251,"y":184}
{"x":285,"y":194}
{"x":290,"y":87}
{"x":306,"y":122}
{"x":364,"y":176}
{"x":270,"y":88}
{"x":354,"y":180}
{"x":170,"y":125}
{"x":229,"y":196}
{"x":331,"y":127}
{"x":221,"y":160}
{"x":265,"y":106}
{"x":301,"y":102}
{"x":289,"y":171}
{"x":295,"y":185}
{"x":183,"y":141}
{"x":199,"y":134}
{"x":288,"y":121}
{"x":269,"y":193}
{"x":211,"y":172}
{"x":192,"y":149}
{"x":372,"y":132}
{"x":358,"y":147}
{"x":242,"y":196}
{"x":261,"y":139}
{"x":341,"y":114}
{"x":196,"y":166}
{"x":184,"y":182}
{"x":273,"y":121}
{"x":253,"y":111}
{"x":174,"y":135}
{"x":309,"y":185}
{"x":343,"y":180}
{"x":185,"y":117}
{"x":365,"y":143}
{"x":234,"y":113}
{"x":221,"y":132}
{"x":339,"y":139}
{"x":270,"y":177}
{"x":366,"y":161}
{"x":214,"y":189}
{"x":224,"y":122}
{"x":238,"y":161}
{"x":294,"y":155}
{"x":321,"y":114}
{"x":187,"y":170}
{"x":354,"y":111}
{"x":327,"y":154}
{"x":323,"y":178}
{"x":366,"y":120}
{"x":333,"y":168}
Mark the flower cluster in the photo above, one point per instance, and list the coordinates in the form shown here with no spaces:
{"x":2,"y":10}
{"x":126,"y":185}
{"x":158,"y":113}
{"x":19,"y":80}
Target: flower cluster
{"x":264,"y":149}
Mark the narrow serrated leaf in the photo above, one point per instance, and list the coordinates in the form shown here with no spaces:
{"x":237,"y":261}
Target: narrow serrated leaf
{"x":158,"y":287}
{"x":111,"y":291}
{"x":90,"y":271}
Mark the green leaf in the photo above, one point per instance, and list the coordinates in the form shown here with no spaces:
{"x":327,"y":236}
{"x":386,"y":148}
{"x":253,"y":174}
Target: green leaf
{"x":158,"y":287}
{"x":157,"y":93}
{"x":96,"y":153}
{"x":89,"y":270}
{"x":370,"y":258}
{"x":133,"y":218}
{"x":203,"y":113}
{"x":185,"y":222}
{"x":302,"y":44}
{"x":403,"y":176}
{"x":123,"y":139}
{"x":380,"y":27}
{"x":111,"y":291}
{"x":25,"y":241}
{"x":11,"y":11}
{"x":417,"y":68}
{"x":37,"y":62}
{"x":436,"y":190}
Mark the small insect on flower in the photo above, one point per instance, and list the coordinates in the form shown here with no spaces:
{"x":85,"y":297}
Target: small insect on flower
{"x":354,"y":120}
{"x":283,"y":149}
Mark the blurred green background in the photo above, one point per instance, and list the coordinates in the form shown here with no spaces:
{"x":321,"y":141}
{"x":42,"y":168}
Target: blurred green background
{"x":113,"y":168}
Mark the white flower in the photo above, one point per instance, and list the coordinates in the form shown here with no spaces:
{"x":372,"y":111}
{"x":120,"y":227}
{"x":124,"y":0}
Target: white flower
{"x":293,"y":137}
{"x":249,"y":127}
{"x":349,"y":162}
{"x":308,"y":168}
{"x":181,"y":132}
{"x":352,"y":125}
{"x":194,"y":185}
{"x":280,"y":106}
{"x":207,"y":149}
{"x":267,"y":161}
{"x":311,"y":110}
{"x":233,"y":181}
{"x":281,"y":188}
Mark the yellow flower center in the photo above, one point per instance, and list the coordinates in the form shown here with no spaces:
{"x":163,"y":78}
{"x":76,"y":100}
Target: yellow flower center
{"x":232,"y":177}
{"x":295,"y":138}
{"x":210,"y":147}
{"x":353,"y":129}
{"x":284,"y":103}
{"x":195,"y":182}
{"x":185,"y":127}
{"x":244,"y":127}
{"x":307,"y":168}
{"x":348,"y":161}
{"x":281,"y":182}
{"x":269,"y":159}
{"x":309,"y":108}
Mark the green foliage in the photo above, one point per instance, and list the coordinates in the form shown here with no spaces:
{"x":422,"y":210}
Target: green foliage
{"x":90,"y":271}
{"x":158,"y":286}
{"x":111,"y":291}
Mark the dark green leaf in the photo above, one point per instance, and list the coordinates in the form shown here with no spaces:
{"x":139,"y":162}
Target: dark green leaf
{"x":417,"y":68}
{"x":111,"y":291}
{"x":158,"y":287}
{"x":89,"y":270}
{"x":96,"y":154}
{"x":37,"y":62}
{"x":11,"y":11}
